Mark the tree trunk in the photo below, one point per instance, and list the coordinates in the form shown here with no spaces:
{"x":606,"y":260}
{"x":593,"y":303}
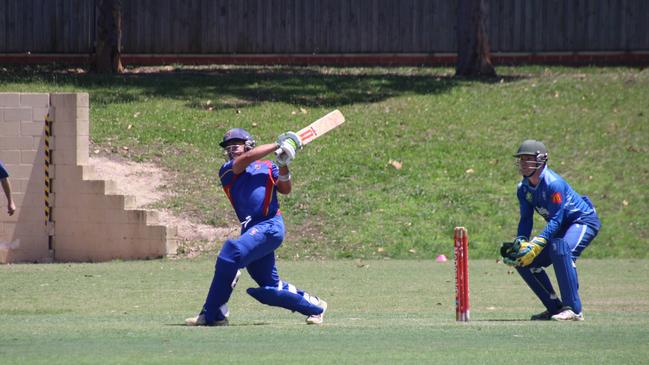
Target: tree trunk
{"x":473,"y":58}
{"x":108,"y":50}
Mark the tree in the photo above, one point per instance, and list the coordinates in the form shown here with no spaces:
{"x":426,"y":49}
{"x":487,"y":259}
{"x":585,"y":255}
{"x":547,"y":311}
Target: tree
{"x":473,"y":56}
{"x":108,"y":49}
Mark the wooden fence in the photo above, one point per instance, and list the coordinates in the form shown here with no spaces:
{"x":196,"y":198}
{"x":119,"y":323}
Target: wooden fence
{"x":323,"y":26}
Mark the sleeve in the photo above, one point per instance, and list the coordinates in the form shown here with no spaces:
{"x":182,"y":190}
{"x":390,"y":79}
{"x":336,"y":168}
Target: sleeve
{"x":3,"y":172}
{"x":274,"y":170}
{"x":556,"y":209}
{"x":526,"y":221}
{"x":225,"y":173}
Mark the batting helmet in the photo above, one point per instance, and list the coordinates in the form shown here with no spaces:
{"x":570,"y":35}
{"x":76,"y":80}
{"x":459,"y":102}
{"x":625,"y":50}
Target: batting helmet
{"x":238,"y":134}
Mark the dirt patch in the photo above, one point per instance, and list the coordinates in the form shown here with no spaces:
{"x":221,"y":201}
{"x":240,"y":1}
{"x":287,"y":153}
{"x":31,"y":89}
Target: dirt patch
{"x":149,"y":184}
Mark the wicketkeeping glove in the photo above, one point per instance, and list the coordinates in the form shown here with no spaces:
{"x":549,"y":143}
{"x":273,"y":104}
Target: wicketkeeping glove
{"x":529,"y":250}
{"x":509,"y":251}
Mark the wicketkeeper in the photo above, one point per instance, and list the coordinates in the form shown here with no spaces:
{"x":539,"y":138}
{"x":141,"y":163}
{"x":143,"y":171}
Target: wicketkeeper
{"x":572,"y":223}
{"x":251,"y":185}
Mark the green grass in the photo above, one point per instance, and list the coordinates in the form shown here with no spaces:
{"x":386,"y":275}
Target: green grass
{"x":381,"y":312}
{"x":454,"y":138}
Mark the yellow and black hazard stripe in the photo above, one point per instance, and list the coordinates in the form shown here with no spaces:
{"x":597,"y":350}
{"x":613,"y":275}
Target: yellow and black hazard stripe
{"x":48,"y":162}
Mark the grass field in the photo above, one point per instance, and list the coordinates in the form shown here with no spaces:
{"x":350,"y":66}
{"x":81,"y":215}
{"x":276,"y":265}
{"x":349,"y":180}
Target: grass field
{"x":453,"y":137}
{"x":381,"y":312}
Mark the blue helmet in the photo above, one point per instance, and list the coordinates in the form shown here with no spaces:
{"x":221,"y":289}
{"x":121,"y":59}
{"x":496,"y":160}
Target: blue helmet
{"x":238,"y":134}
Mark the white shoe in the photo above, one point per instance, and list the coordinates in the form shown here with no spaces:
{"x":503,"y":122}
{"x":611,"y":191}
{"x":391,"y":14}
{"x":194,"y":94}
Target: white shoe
{"x":199,"y":320}
{"x":318,"y":318}
{"x":568,"y":315}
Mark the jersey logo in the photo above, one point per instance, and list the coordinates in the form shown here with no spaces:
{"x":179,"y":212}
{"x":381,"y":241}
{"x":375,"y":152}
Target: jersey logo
{"x":528,"y":197}
{"x":556,"y":198}
{"x":246,"y":221}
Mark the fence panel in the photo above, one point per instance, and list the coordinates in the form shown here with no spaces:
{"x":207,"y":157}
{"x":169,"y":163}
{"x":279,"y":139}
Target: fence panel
{"x":323,"y":26}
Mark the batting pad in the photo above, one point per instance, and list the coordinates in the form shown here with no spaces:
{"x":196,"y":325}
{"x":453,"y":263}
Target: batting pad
{"x":287,"y":297}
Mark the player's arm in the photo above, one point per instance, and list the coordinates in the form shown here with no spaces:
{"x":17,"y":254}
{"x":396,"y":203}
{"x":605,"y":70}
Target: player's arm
{"x":284,"y":180}
{"x":288,"y":143}
{"x":556,"y":208}
{"x":526,"y":220}
{"x":6,"y":187}
{"x":248,"y":157}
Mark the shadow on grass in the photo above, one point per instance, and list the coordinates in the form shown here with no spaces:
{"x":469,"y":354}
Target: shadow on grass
{"x":232,"y":87}
{"x":229,"y":325}
{"x":502,"y":320}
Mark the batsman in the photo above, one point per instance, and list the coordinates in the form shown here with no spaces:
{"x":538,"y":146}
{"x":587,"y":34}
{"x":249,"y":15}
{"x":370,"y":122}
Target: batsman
{"x":251,"y":184}
{"x":572,"y":223}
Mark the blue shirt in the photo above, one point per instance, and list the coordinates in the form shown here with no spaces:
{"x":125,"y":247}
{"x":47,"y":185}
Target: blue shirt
{"x":252,"y":193}
{"x":3,"y":172}
{"x":556,"y":202}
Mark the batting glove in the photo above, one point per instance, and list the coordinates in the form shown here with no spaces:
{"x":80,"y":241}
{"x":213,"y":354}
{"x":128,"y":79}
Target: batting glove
{"x":283,"y":159}
{"x":529,"y":250}
{"x":292,"y":137}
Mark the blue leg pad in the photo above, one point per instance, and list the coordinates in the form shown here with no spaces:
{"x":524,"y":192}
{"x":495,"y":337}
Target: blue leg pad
{"x":225,"y":277}
{"x":564,"y":268}
{"x":537,"y":279}
{"x":285,"y":298}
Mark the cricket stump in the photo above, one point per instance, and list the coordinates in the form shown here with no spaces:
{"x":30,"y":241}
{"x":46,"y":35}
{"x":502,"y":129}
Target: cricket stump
{"x":461,"y":239}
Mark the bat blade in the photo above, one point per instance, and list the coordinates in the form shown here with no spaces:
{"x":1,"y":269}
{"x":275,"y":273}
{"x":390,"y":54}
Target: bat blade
{"x":321,"y":126}
{"x":318,"y":128}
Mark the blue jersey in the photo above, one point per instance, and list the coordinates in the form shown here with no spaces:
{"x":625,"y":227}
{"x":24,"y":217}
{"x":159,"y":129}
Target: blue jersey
{"x":3,"y":172}
{"x":556,"y":202}
{"x":252,"y":193}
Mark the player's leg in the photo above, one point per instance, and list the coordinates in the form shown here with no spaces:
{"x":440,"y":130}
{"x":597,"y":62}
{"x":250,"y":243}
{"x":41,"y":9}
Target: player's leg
{"x":537,"y":279}
{"x":276,"y":292}
{"x":226,"y":275}
{"x":256,"y":242}
{"x":564,"y":253}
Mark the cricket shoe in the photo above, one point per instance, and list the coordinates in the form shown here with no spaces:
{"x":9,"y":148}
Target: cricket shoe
{"x":199,"y":320}
{"x":568,"y":315}
{"x":318,"y":318}
{"x":543,"y":316}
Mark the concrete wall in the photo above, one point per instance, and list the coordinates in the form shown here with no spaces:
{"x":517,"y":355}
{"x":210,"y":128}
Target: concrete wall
{"x":23,"y":236}
{"x":89,"y":222}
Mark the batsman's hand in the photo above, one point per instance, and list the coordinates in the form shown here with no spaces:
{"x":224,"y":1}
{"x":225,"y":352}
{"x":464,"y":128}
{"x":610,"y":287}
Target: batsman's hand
{"x":292,"y":138}
{"x":283,"y":159}
{"x":509,"y":251}
{"x":529,"y":250}
{"x":288,"y":144}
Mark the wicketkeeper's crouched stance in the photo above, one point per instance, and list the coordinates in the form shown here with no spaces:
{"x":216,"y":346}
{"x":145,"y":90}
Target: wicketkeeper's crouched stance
{"x":572,"y":223}
{"x":251,"y":185}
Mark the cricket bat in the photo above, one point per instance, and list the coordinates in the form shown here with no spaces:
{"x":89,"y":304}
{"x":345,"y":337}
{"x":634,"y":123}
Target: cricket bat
{"x":318,"y":128}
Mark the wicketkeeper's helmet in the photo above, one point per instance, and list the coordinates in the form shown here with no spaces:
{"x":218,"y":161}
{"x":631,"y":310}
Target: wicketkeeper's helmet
{"x":534,"y":148}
